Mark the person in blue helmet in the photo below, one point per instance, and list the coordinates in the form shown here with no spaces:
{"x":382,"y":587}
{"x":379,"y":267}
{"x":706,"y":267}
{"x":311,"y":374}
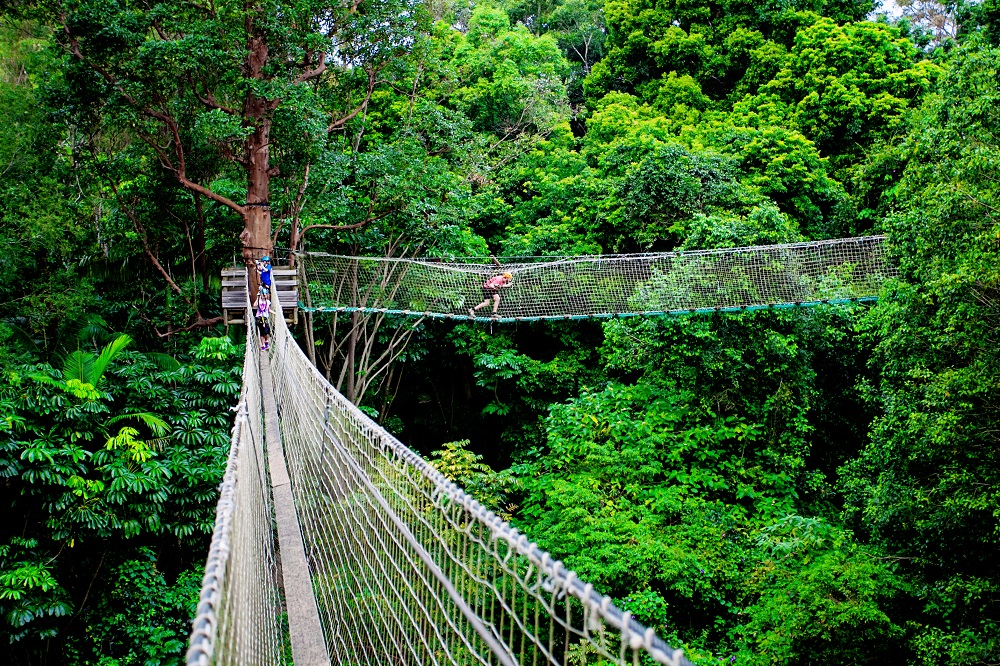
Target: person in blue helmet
{"x":264,"y":270}
{"x":262,"y":304}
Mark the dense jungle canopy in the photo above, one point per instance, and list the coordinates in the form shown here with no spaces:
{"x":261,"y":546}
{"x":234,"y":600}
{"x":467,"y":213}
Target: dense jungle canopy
{"x":799,"y":487}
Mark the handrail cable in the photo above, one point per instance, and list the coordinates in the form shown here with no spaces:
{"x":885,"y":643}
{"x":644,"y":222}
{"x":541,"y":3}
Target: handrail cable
{"x":601,"y":286}
{"x":403,"y":564}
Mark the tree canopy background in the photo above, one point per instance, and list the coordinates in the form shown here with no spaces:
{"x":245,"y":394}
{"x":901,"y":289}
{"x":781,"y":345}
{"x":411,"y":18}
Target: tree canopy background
{"x":794,"y":487}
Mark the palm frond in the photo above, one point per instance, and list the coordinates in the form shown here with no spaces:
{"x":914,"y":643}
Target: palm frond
{"x":164,"y":362}
{"x":45,"y":379}
{"x":94,"y":328}
{"x":20,"y":338}
{"x":78,"y":365}
{"x":156,"y":425}
{"x":108,"y":354}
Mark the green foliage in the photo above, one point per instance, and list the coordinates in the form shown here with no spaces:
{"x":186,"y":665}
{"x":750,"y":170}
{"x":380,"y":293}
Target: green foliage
{"x":680,"y":494}
{"x":139,"y":460}
{"x":926,"y":486}
{"x":770,"y":488}
{"x":510,"y":81}
{"x":718,"y":43}
{"x":667,"y":186}
{"x":490,"y":488}
{"x":215,"y":349}
{"x":139,"y":617}
{"x":843,"y":87}
{"x":822,"y":597}
{"x":83,"y":372}
{"x":28,"y":589}
{"x":521,"y":386}
{"x":784,"y":166}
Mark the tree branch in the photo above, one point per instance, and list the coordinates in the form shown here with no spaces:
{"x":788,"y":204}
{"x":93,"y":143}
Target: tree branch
{"x":210,"y":101}
{"x":87,"y":593}
{"x":190,"y":184}
{"x":293,"y":240}
{"x":315,"y":71}
{"x":200,"y":322}
{"x":350,"y":227}
{"x":74,"y":48}
{"x":159,"y":30}
{"x":141,"y":231}
{"x":164,"y":118}
{"x":339,"y":124}
{"x":208,"y":10}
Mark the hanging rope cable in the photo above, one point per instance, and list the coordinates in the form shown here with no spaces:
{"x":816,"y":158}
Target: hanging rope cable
{"x":603,"y":286}
{"x":408,"y":566}
{"x":240,"y":596}
{"x":405,"y":566}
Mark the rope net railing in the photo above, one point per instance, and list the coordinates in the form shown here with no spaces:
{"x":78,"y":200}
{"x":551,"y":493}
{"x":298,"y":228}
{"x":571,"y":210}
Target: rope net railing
{"x":841,"y":270}
{"x":237,"y":619}
{"x":409,"y":569}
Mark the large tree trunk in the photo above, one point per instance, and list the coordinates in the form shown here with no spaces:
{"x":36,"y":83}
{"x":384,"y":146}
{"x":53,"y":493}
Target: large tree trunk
{"x":256,"y":234}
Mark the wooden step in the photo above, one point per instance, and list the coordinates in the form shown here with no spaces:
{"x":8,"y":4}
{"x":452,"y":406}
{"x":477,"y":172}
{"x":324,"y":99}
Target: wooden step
{"x":289,"y":301}
{"x":242,"y":283}
{"x":284,"y":280}
{"x":241,"y":272}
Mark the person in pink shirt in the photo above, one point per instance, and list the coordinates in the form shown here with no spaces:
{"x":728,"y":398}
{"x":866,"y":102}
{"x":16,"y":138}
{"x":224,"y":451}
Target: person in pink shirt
{"x":491,"y":292}
{"x":262,"y":313}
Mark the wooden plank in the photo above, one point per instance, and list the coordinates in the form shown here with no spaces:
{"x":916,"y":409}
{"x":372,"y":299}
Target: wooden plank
{"x":304,"y":628}
{"x":287,"y":304}
{"x":276,"y":270}
{"x":241,"y":284}
{"x":287,"y":286}
{"x":242,"y":293}
{"x":234,"y":290}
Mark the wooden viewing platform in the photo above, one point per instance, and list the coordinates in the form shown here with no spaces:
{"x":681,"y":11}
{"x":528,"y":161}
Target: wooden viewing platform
{"x":284,"y":281}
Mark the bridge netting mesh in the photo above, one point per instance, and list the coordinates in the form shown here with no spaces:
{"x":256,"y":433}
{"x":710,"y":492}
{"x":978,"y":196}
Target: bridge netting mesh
{"x":409,"y":569}
{"x":406,"y":568}
{"x":846,"y":269}
{"x":240,"y":596}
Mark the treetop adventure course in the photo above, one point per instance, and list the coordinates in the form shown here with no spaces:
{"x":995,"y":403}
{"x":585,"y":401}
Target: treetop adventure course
{"x":384,"y":559}
{"x":602,"y":286}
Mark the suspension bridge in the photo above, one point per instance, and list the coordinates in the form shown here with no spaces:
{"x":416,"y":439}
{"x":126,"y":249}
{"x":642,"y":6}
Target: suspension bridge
{"x":602,"y":286}
{"x":336,"y":544}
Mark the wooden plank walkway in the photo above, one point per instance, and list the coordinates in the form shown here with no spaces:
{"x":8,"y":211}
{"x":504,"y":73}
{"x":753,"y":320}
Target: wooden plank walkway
{"x":304,"y":628}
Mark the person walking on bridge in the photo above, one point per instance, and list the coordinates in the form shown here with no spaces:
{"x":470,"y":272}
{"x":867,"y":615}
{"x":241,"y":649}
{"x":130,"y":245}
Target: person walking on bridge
{"x":491,"y":291}
{"x":262,"y":304}
{"x":264,"y":270}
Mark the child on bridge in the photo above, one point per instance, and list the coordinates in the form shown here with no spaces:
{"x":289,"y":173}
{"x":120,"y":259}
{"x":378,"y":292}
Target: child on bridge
{"x":262,"y":304}
{"x":491,"y":291}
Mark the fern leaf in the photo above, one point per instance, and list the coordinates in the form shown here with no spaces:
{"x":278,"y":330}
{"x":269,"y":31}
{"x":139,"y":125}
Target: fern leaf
{"x":156,"y":425}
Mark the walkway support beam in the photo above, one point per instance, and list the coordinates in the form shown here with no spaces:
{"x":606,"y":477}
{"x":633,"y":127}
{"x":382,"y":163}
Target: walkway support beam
{"x":306,"y":632}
